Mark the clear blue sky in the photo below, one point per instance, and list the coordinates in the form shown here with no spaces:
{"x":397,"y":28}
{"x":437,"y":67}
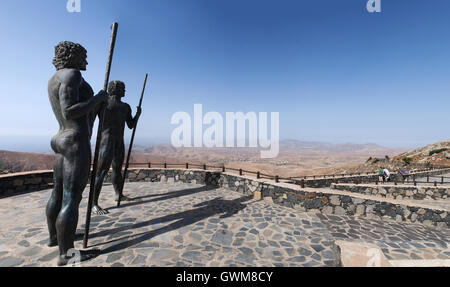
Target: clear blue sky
{"x":334,"y":72}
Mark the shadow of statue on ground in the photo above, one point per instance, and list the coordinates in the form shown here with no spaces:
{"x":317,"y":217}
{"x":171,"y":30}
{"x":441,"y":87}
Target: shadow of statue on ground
{"x":204,"y":210}
{"x":165,"y":196}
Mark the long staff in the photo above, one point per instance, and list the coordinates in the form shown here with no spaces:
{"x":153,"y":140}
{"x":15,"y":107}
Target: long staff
{"x":131,"y":143}
{"x":115,"y":27}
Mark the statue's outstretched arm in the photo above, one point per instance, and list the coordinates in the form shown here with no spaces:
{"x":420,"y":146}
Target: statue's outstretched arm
{"x":96,"y":112}
{"x":131,"y":122}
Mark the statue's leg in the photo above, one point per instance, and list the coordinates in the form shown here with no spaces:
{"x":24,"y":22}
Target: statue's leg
{"x":76,"y":173}
{"x":55,"y":202}
{"x":104,"y":163}
{"x":117,"y":164}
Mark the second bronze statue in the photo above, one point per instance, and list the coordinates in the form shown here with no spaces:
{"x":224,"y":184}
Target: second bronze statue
{"x":112,"y":147}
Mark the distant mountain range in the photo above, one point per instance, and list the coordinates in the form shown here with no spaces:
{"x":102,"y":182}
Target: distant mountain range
{"x":294,"y":145}
{"x":286,"y":146}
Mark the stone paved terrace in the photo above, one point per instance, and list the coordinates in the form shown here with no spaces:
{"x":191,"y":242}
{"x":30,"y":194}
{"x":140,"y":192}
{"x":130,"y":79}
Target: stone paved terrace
{"x":182,"y":224}
{"x":174,"y":224}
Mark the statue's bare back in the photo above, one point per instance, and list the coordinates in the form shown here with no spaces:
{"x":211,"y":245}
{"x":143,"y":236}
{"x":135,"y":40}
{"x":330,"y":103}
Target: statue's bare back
{"x":70,"y":128}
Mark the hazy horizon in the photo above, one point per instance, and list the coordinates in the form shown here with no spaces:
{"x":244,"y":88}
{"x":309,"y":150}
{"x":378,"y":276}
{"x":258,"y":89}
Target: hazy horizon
{"x":41,"y":144}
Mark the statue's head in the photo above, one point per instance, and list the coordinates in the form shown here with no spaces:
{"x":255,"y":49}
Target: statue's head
{"x":116,"y":88}
{"x":69,"y":55}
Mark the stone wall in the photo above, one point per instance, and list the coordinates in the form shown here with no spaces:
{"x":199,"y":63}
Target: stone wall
{"x":18,"y":183}
{"x":398,"y":192}
{"x":288,"y":195}
{"x":363,"y":179}
{"x":164,"y":175}
{"x":307,"y":200}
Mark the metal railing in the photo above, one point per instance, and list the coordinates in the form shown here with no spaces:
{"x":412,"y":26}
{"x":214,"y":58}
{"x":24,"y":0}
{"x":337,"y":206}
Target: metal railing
{"x":428,"y":180}
{"x":298,"y":180}
{"x":241,"y":172}
{"x":350,"y":175}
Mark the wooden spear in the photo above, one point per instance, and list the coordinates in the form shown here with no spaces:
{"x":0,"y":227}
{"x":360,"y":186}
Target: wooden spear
{"x":131,"y":143}
{"x":115,"y":27}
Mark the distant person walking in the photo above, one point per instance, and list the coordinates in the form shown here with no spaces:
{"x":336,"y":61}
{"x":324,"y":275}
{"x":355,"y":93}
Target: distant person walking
{"x":387,"y":175}
{"x":380,"y":175}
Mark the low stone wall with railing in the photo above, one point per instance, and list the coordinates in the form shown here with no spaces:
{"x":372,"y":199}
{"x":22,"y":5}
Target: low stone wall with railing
{"x":288,"y":195}
{"x":195,"y":176}
{"x":398,"y":192}
{"x":19,"y":183}
{"x":363,"y":179}
{"x":308,"y":200}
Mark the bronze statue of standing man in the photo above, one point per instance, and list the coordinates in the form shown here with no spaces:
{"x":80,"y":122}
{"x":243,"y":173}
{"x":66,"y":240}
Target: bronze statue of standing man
{"x":112,"y":147}
{"x":75,"y":108}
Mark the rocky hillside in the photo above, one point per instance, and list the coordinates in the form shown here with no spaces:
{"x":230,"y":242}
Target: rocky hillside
{"x":411,"y":160}
{"x":440,"y":150}
{"x":19,"y":162}
{"x":373,"y":165}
